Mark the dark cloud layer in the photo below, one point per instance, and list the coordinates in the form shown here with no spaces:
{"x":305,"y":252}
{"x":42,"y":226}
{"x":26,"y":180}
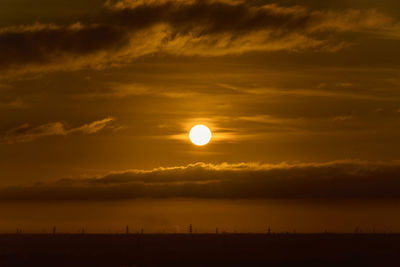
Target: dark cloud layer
{"x":332,"y":180}
{"x":130,"y":29}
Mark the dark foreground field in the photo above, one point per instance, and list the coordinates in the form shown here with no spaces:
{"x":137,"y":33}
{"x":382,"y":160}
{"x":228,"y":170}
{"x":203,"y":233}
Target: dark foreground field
{"x":200,"y":250}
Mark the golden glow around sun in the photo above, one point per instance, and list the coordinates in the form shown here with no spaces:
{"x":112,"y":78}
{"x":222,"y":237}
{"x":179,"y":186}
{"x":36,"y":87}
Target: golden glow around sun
{"x":200,"y":135}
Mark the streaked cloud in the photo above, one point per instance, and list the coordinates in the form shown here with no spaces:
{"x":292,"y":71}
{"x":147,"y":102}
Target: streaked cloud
{"x":342,"y":118}
{"x":93,"y":127}
{"x":268,"y":119}
{"x":27,"y":133}
{"x":14,"y":104}
{"x":321,"y":91}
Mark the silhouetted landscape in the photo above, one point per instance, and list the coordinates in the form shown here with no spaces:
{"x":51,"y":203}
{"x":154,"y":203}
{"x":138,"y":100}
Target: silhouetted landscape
{"x":199,"y":133}
{"x":199,"y":249}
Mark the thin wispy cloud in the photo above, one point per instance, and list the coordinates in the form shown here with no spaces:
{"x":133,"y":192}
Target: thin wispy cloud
{"x":14,"y":104}
{"x":27,"y":133}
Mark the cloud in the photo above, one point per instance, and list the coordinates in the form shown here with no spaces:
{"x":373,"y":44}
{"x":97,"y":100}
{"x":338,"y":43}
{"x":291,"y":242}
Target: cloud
{"x":17,"y":103}
{"x":27,"y":133}
{"x":93,"y":127}
{"x":330,"y":180}
{"x":130,"y":29}
{"x":268,"y":119}
{"x":326,"y":92}
{"x":342,"y":118}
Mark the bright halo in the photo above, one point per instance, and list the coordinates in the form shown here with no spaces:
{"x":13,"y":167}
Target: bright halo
{"x":200,"y":135}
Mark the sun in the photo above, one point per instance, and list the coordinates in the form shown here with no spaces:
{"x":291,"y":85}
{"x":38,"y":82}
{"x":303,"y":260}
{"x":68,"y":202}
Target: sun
{"x":200,"y":135}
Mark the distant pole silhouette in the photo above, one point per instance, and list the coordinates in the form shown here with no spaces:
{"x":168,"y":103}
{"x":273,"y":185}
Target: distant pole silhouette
{"x":269,"y":230}
{"x":190,"y":229}
{"x":216,"y":230}
{"x":142,"y":231}
{"x":54,"y":230}
{"x":127,"y":230}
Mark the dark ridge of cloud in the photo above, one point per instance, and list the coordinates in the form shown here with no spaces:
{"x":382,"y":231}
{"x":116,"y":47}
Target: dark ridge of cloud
{"x":44,"y":44}
{"x":27,"y":133}
{"x":130,"y":29}
{"x":213,"y":17}
{"x":331,"y":180}
{"x":38,"y":45}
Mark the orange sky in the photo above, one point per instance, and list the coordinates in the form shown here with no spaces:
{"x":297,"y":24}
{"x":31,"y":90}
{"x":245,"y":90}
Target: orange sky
{"x":97,"y":99}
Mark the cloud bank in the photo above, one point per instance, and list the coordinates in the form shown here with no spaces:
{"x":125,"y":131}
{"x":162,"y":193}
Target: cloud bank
{"x":130,"y":29}
{"x":27,"y":133}
{"x":330,"y":180}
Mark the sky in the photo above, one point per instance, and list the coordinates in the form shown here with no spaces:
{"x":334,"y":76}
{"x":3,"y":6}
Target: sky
{"x":98,"y":97}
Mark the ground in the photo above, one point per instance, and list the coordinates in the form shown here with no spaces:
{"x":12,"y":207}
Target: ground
{"x":199,"y":250}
